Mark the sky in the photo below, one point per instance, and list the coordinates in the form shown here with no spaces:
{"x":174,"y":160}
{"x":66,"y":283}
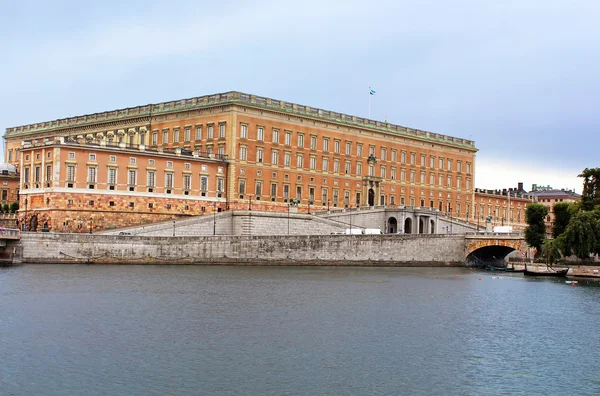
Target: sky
{"x":520,"y":78}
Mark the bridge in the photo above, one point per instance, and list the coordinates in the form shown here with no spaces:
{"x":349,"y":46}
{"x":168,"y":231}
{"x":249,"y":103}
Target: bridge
{"x":10,"y":251}
{"x":492,"y":248}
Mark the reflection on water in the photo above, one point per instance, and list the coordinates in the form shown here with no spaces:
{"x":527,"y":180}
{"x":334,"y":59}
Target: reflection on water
{"x":129,"y":330}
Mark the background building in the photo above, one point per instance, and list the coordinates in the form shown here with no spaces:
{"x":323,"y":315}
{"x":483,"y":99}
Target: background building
{"x":548,"y":196}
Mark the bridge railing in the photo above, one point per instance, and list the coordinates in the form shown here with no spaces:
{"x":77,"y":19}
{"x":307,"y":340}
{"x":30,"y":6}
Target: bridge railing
{"x":495,"y":234}
{"x":10,"y":233}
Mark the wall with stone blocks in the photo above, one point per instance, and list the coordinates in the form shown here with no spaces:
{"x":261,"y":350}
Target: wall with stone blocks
{"x":376,"y":250}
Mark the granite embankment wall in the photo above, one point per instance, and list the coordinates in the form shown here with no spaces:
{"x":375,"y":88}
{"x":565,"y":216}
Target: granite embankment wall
{"x":363,"y":250}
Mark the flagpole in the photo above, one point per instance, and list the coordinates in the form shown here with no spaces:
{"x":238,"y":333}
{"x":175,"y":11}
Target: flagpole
{"x":369,"y":103}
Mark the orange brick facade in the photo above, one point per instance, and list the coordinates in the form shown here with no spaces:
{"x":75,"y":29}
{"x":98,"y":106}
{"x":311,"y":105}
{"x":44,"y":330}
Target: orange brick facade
{"x":254,"y":152}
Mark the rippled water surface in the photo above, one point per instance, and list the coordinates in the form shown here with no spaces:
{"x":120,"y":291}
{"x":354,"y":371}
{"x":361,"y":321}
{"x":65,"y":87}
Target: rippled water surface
{"x":178,"y":330}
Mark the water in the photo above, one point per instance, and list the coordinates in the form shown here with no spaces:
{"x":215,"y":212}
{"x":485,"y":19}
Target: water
{"x":179,"y":330}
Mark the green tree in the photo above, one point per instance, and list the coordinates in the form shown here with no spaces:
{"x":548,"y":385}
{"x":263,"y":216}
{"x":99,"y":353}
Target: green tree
{"x":14,"y":207}
{"x":535,"y":233}
{"x":550,"y":250}
{"x":5,"y":208}
{"x":581,"y":235}
{"x":590,"y":198}
{"x":562,"y":216}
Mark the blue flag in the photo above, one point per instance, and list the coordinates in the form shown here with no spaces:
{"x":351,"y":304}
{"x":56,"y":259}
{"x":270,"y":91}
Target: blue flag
{"x":372,"y":91}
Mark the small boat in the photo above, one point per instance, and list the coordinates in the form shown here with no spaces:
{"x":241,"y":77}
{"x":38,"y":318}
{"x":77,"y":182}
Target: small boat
{"x":549,"y":272}
{"x":503,"y":269}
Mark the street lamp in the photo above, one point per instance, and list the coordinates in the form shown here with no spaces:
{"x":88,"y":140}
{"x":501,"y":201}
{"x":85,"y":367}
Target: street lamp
{"x":249,"y":202}
{"x":91,"y":225}
{"x":328,"y":205}
{"x":309,"y":206}
{"x":288,"y":219}
{"x":25,"y":227}
{"x":215,"y":218}
{"x":173,"y":227}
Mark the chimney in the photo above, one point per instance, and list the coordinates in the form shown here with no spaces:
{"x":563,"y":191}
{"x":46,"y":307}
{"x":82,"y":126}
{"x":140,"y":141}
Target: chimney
{"x":520,"y":186}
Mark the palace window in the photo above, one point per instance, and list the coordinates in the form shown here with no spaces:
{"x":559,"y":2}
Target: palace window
{"x":260,"y":134}
{"x":187,"y":182}
{"x":325,"y":144}
{"x":154,"y":138}
{"x":358,"y":169}
{"x":300,"y":140}
{"x":313,"y":142}
{"x":132,"y":179}
{"x":359,"y":150}
{"x":243,"y":153}
{"x":325,"y":164}
{"x":276,"y":136}
{"x":112,"y":175}
{"x":259,"y":155}
{"x":165,"y":136}
{"x":199,"y":132}
{"x":244,"y":131}
{"x":70,"y":173}
{"x":288,"y":138}
{"x":151,"y":178}
{"x":287,"y":159}
{"x":222,"y":130}
{"x":204,"y":184}
{"x":176,"y":135}
{"x":258,"y":189}
{"x":299,"y":161}
{"x":169,"y":180}
{"x":274,"y":157}
{"x":187,"y":134}
{"x":211,"y":132}
{"x":336,"y":146}
{"x":242,"y":186}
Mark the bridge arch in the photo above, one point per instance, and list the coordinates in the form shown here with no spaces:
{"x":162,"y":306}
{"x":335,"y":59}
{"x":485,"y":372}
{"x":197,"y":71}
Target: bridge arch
{"x":493,"y":250}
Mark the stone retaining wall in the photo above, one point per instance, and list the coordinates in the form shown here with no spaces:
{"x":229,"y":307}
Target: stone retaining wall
{"x":374,"y":250}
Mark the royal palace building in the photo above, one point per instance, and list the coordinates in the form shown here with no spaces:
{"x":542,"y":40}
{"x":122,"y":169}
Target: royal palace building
{"x":231,"y":151}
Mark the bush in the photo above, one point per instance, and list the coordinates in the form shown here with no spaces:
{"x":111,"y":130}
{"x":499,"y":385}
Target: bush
{"x":5,"y":208}
{"x":14,"y":207}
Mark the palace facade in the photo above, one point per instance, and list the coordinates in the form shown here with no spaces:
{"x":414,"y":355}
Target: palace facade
{"x":231,"y":151}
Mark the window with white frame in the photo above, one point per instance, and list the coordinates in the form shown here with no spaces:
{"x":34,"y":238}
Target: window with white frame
{"x":187,"y":135}
{"x":198,"y":132}
{"x":287,"y":159}
{"x":220,"y":184}
{"x":258,"y":188}
{"x":347,"y":167}
{"x":300,"y":161}
{"x":132,"y":177}
{"x":348,"y":148}
{"x":165,"y":136}
{"x":70,"y":173}
{"x":243,"y":153}
{"x":336,"y":146}
{"x":151,"y":178}
{"x":288,"y":138}
{"x":176,"y":135}
{"x":92,"y":157}
{"x":276,"y":136}
{"x":210,"y":131}
{"x":112,"y":175}
{"x":313,"y":142}
{"x":154,"y":138}
{"x":325,"y":144}
{"x":358,"y":169}
{"x":169,"y":180}
{"x":325,"y":164}
{"x":187,"y":182}
{"x":403,"y":157}
{"x":169,"y":164}
{"x":244,"y":131}
{"x":222,"y":130}
{"x":313,"y":162}
{"x":260,"y":134}
{"x":300,"y":140}
{"x":336,"y":166}
{"x":359,"y":150}
{"x":71,"y":155}
{"x":91,"y":174}
{"x":274,"y":157}
{"x":383,"y":154}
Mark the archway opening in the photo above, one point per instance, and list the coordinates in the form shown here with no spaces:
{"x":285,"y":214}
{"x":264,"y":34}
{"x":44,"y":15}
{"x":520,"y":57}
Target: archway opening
{"x":421,"y":226}
{"x":489,"y":256}
{"x":432,"y":227}
{"x":408,"y":226}
{"x":371,"y":197}
{"x":392,"y":225}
